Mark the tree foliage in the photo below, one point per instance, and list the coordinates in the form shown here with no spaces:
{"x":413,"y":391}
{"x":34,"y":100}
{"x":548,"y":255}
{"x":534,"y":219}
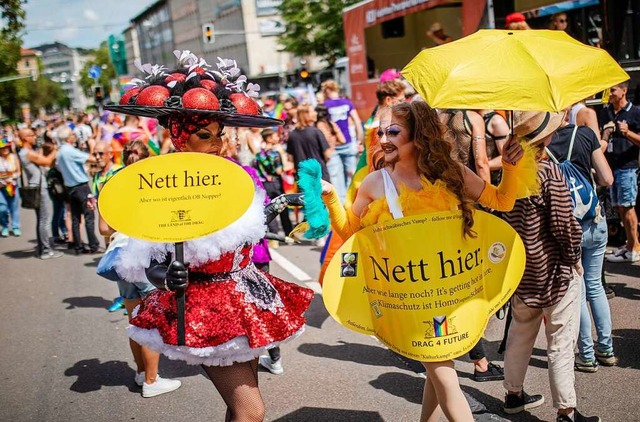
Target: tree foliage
{"x":101,"y":59}
{"x":42,"y":94}
{"x":12,"y":22}
{"x":314,"y":27}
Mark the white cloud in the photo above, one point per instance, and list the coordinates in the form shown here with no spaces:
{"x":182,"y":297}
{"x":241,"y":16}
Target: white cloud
{"x":91,"y":15}
{"x":66,"y":34}
{"x":92,"y":23}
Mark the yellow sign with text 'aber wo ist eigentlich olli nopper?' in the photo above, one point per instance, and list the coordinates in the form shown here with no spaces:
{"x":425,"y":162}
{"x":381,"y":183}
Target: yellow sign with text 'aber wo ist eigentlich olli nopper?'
{"x":176,"y":197}
{"x":420,"y":286}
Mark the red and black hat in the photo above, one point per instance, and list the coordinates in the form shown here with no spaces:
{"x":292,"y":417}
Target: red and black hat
{"x":195,"y":92}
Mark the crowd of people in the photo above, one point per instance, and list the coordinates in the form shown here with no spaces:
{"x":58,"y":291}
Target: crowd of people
{"x":470,"y":157}
{"x":67,"y":157}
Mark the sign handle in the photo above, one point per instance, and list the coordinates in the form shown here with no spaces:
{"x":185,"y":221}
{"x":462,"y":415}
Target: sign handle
{"x":180,"y":297}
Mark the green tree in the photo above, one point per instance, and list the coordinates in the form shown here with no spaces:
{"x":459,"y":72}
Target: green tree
{"x":314,"y":27}
{"x":42,"y":94}
{"x":101,"y":59}
{"x":11,"y":23}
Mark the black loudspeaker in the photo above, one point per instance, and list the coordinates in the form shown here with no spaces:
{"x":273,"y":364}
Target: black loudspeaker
{"x":393,"y":28}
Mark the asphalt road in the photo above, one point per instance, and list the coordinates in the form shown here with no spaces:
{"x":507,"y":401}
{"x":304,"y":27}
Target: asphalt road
{"x":64,"y":357}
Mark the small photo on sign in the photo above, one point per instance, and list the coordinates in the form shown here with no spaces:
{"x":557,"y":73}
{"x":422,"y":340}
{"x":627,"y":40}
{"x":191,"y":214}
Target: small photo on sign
{"x":349,"y":265}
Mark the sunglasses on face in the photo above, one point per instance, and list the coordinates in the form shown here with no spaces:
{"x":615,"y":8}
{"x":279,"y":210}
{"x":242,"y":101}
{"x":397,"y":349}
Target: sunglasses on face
{"x":562,"y":20}
{"x":99,"y":154}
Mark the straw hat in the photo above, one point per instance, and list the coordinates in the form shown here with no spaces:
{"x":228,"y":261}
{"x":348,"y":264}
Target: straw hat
{"x":534,"y":126}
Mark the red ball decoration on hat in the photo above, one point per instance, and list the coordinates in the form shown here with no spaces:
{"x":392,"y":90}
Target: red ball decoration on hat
{"x":154,"y":95}
{"x":128,"y":94}
{"x":208,"y":84}
{"x":178,"y":77}
{"x":244,"y":104}
{"x":201,"y":99}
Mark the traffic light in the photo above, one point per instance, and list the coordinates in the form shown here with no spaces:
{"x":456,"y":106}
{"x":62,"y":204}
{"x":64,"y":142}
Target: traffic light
{"x":98,"y":94}
{"x":304,"y":74}
{"x":207,"y":33}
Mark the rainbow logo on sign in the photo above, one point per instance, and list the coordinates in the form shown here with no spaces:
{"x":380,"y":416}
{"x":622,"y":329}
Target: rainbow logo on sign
{"x":440,"y":326}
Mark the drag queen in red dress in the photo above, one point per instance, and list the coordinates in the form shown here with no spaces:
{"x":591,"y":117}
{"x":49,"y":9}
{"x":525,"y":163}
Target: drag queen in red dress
{"x":233,"y":311}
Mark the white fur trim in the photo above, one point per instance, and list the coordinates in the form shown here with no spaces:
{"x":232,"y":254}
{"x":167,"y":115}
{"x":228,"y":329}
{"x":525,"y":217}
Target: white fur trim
{"x":226,"y":354}
{"x":136,"y":256}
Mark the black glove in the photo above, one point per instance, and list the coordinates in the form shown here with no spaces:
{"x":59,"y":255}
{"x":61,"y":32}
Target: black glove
{"x":174,"y":277}
{"x":280,"y":203}
{"x":177,"y":275}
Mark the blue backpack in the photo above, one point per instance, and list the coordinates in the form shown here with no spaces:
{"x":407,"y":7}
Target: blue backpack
{"x":582,"y":190}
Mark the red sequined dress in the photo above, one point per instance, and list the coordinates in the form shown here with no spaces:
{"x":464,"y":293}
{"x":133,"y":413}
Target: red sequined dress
{"x":233,"y":311}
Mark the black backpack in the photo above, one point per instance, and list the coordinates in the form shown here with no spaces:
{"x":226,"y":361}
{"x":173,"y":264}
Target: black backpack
{"x":55,"y":184}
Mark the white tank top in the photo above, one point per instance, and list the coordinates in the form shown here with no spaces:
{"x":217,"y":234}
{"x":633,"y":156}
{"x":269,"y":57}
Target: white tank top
{"x":573,"y":113}
{"x":391,"y":194}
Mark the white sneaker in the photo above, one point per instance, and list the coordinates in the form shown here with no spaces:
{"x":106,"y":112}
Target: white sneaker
{"x":51,"y":255}
{"x":273,"y":367}
{"x":160,"y":386}
{"x":624,"y":255}
{"x":139,"y":378}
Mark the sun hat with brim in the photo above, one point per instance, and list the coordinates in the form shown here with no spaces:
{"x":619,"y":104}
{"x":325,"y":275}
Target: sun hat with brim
{"x":195,"y":90}
{"x":533,"y":126}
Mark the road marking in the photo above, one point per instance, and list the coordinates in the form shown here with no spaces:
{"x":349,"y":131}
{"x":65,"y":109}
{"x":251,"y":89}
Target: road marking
{"x":315,"y":286}
{"x":296,"y":271}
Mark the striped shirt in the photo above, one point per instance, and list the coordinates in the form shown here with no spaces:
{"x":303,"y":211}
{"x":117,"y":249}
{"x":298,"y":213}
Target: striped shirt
{"x":551,"y":237}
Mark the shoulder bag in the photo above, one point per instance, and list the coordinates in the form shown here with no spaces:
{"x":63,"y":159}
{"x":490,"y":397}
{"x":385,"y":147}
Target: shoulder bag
{"x":30,"y":195}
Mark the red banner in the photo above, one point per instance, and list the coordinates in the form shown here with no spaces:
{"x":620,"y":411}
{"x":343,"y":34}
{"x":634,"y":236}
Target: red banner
{"x":356,"y":49}
{"x":383,"y":10}
{"x":372,"y":13}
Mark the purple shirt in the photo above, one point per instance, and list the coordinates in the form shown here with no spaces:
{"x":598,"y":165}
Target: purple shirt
{"x":339,"y":109}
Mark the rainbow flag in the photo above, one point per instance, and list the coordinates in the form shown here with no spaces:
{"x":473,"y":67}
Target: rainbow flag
{"x":10,"y":188}
{"x":125,"y":134}
{"x":364,"y":166}
{"x":440,"y":326}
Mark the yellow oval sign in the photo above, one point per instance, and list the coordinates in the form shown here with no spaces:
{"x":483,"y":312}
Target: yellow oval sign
{"x":176,"y":197}
{"x":420,"y":287}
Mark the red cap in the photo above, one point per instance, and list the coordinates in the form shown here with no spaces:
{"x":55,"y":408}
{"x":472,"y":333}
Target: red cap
{"x":514,"y":17}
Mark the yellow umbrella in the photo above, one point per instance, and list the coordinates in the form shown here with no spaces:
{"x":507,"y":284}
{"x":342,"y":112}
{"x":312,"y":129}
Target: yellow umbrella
{"x":537,"y":70}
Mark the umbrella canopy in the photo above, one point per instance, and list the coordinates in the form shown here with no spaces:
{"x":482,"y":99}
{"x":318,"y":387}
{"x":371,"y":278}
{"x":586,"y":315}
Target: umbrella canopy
{"x":535,"y":70}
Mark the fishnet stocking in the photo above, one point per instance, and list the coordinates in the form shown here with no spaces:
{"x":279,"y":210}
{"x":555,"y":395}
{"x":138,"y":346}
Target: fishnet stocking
{"x":238,"y":386}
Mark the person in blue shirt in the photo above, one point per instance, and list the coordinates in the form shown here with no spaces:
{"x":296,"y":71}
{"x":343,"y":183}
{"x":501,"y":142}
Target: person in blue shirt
{"x":71,"y":161}
{"x":620,"y":124}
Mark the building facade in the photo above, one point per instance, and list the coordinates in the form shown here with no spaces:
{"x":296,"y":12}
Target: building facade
{"x":245,"y":30}
{"x":63,"y":64}
{"x":28,"y":63}
{"x":153,"y":31}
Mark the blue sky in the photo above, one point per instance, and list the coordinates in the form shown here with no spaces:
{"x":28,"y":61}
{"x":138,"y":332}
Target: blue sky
{"x":78,"y":23}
